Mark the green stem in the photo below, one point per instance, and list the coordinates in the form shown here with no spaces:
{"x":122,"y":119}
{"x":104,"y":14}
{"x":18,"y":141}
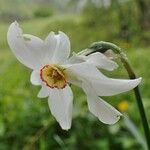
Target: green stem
{"x":139,"y":102}
{"x":104,"y":46}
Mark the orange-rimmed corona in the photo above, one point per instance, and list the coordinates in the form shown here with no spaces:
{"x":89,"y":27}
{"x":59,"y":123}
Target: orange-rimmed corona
{"x":54,"y":76}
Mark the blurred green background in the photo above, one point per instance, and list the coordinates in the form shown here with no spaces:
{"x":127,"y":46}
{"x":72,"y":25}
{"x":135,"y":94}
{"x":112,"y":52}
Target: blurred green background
{"x":25,"y":120}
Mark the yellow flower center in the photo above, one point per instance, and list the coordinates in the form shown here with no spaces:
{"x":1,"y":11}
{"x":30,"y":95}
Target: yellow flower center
{"x":54,"y":76}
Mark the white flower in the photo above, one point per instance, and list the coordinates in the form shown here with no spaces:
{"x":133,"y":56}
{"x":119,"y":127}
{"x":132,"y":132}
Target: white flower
{"x":54,"y":70}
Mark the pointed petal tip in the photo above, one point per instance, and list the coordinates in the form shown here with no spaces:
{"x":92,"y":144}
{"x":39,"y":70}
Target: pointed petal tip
{"x":14,"y":24}
{"x":112,"y":122}
{"x":137,"y":81}
{"x":63,"y":34}
{"x":12,"y":30}
{"x":115,"y":66}
{"x":52,"y":33}
{"x":44,"y":92}
{"x":41,"y":96}
{"x":35,"y":78}
{"x":140,"y":78}
{"x":65,"y":127}
{"x":60,"y":32}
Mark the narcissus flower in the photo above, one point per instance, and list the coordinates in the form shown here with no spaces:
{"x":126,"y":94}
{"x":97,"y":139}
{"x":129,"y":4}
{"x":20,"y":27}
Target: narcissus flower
{"x":54,"y":71}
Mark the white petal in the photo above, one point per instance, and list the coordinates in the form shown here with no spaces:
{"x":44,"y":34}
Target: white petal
{"x":74,"y":59}
{"x":109,"y":86}
{"x":50,"y":45}
{"x":72,"y":77}
{"x":85,"y":70}
{"x":61,"y":104}
{"x":103,"y":85}
{"x":35,"y":77}
{"x":62,"y":49}
{"x":97,"y":59}
{"x":101,"y":61}
{"x":104,"y":111}
{"x":44,"y":92}
{"x":77,"y":72}
{"x":25,"y":49}
{"x":36,"y":47}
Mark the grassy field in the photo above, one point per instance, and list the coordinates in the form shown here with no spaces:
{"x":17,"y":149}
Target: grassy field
{"x":25,"y":120}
